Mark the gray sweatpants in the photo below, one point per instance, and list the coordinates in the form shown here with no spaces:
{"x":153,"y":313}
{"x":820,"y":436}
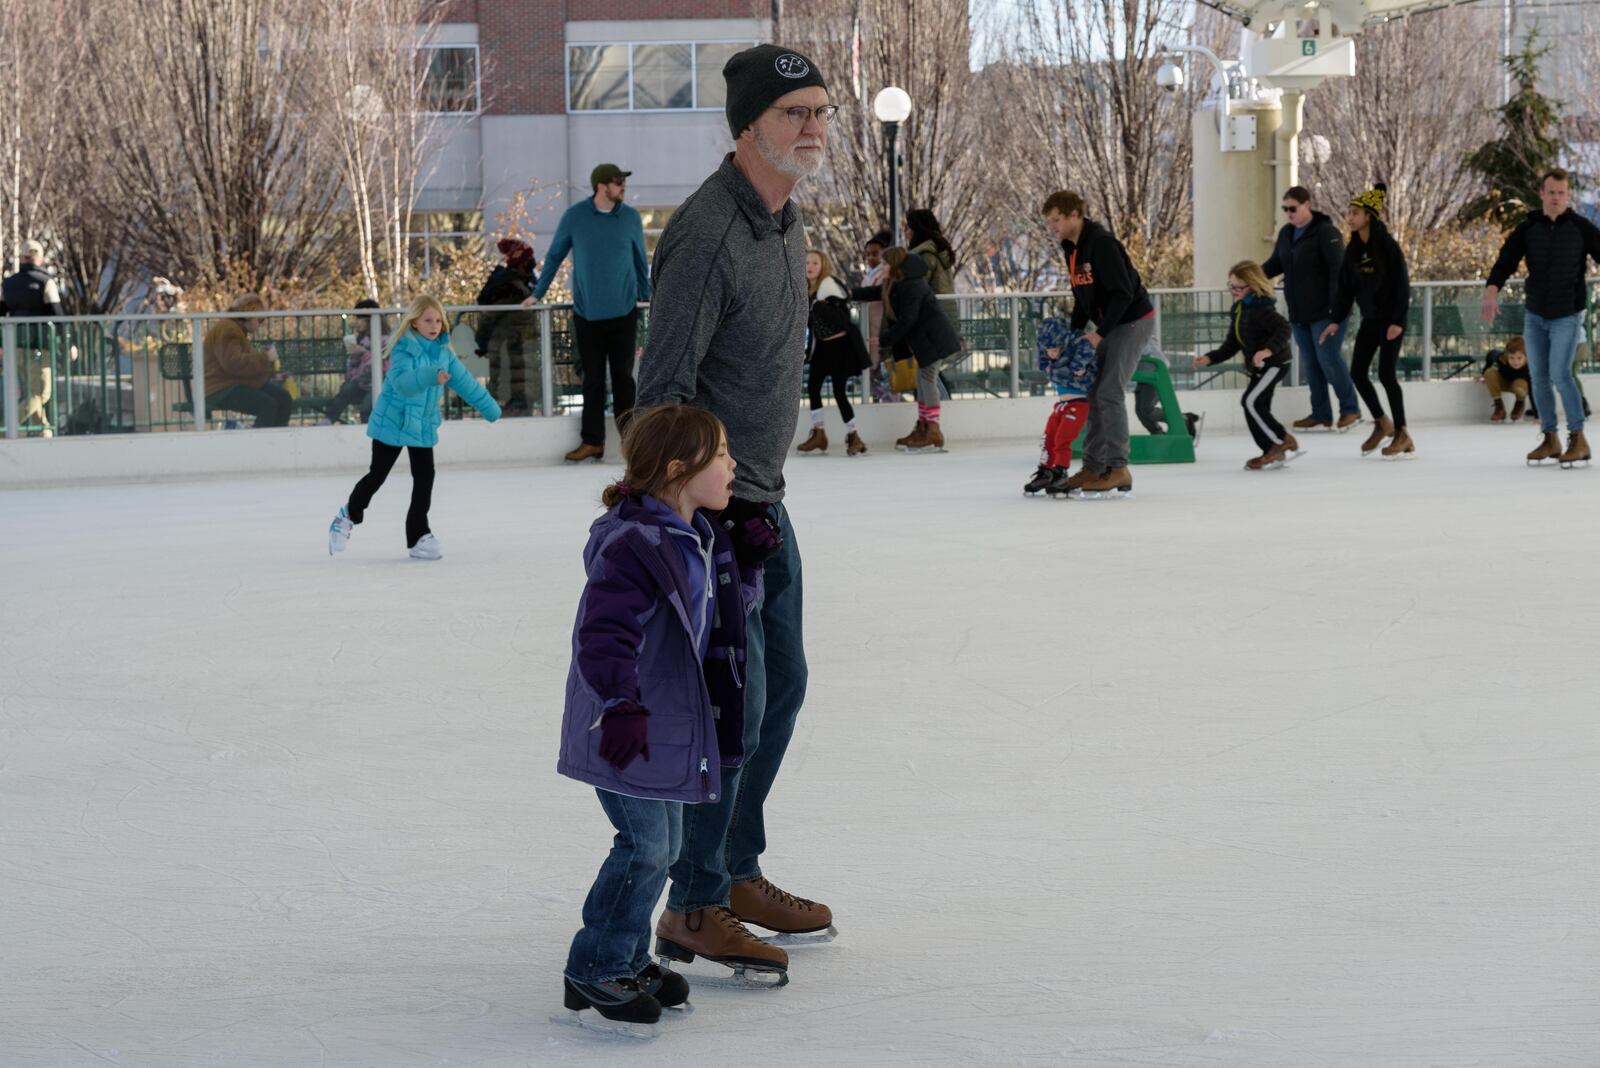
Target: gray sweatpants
{"x":1106,"y":438}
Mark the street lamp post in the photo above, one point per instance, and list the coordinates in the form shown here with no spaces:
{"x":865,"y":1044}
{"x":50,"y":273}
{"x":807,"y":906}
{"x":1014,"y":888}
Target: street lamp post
{"x":892,"y":106}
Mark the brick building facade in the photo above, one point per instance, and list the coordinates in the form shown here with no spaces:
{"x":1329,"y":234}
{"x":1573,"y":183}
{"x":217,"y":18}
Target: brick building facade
{"x":559,"y":86}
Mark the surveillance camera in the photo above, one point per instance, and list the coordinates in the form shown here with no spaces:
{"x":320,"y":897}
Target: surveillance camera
{"x":1170,"y":77}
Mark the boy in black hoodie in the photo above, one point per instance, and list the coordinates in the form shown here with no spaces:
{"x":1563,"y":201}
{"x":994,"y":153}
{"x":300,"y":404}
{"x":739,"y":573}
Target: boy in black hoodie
{"x":1374,"y":277}
{"x":1107,"y":289}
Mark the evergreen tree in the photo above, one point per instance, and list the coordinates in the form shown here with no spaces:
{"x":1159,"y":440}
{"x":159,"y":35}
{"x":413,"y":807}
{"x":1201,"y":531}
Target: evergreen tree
{"x":1530,"y":144}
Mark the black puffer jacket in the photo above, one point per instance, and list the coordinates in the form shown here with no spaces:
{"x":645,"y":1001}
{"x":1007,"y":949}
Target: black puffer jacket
{"x":1373,"y":277}
{"x":919,"y":325}
{"x":1496,"y":360}
{"x":1310,"y":268}
{"x":1256,"y":326}
{"x":1557,"y":251}
{"x":505,"y":285}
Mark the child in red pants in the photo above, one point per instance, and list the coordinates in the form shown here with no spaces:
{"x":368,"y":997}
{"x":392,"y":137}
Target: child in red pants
{"x":1067,"y":358}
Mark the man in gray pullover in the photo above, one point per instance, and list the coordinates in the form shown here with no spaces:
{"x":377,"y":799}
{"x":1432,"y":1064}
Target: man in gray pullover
{"x":727,"y":333}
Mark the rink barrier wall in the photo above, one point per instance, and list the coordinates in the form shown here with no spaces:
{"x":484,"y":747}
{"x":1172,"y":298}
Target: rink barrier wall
{"x":344,"y":450}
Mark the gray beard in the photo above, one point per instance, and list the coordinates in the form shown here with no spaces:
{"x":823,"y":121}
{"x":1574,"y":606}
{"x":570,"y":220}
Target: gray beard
{"x":790,"y":165}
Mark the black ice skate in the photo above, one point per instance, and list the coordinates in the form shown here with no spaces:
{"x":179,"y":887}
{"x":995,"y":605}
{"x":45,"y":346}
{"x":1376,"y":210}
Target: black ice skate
{"x":1060,"y":486}
{"x":1195,"y":421}
{"x":670,"y":989}
{"x":613,"y":1007}
{"x":1042,"y":478}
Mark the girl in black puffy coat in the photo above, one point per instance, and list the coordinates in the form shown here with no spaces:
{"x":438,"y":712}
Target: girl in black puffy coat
{"x":1262,"y":336}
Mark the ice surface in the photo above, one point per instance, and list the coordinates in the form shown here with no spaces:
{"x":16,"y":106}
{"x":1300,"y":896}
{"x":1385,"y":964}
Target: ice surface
{"x":1295,"y":768}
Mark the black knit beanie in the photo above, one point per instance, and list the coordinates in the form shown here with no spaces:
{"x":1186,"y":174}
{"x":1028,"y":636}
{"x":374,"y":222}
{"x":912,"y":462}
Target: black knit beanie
{"x":758,"y":76}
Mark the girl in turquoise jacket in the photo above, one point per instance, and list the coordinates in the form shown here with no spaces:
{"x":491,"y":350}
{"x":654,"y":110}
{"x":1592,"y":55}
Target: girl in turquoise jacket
{"x":406,"y":416}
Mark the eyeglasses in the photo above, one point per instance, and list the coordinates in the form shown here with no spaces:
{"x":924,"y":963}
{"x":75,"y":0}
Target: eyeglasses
{"x":799,"y":116}
{"x":1234,"y":287}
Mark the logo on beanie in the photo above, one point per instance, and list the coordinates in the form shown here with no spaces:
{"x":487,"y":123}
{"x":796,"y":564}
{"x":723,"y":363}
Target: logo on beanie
{"x":792,"y":66}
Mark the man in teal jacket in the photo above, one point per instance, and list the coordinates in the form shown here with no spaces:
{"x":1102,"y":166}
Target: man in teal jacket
{"x":610,"y":276}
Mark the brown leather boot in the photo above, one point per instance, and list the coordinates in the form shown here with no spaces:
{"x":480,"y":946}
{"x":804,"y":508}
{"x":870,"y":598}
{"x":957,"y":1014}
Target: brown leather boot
{"x":1075,"y":482}
{"x":1382,"y":427}
{"x":1311,"y":422}
{"x":916,"y":434}
{"x":817,"y":442}
{"x":1402,"y":444}
{"x":1499,"y":413}
{"x":1117,"y":482}
{"x":586,"y":452}
{"x":1346,"y":421}
{"x":1259,"y":463}
{"x":853,"y":445}
{"x":761,"y":903}
{"x":1549,"y":449}
{"x":933,"y":434}
{"x":1518,"y":408}
{"x":717,"y":935}
{"x":1577,"y":450}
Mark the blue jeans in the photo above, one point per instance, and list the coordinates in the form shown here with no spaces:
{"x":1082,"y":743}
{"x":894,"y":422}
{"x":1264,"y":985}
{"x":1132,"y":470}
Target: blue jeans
{"x":615,"y":939}
{"x":1552,"y":346}
{"x":723,"y":842}
{"x":1324,"y":367}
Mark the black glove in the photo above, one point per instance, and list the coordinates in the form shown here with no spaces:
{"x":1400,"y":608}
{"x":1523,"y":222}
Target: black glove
{"x":754,"y":531}
{"x":623,"y":734}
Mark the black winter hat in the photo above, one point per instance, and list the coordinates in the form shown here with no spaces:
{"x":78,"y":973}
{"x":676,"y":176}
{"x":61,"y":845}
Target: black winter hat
{"x":758,"y":76}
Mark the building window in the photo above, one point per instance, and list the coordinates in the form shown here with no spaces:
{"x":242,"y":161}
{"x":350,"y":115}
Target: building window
{"x":663,"y":76}
{"x":659,"y":76}
{"x":439,"y":238}
{"x":450,"y":79}
{"x":598,"y":77}
{"x":711,"y":91}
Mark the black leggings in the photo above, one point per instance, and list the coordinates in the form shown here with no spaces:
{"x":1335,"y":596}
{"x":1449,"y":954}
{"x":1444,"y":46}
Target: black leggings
{"x":828,"y":362}
{"x":383,"y":458}
{"x":1370,"y":341}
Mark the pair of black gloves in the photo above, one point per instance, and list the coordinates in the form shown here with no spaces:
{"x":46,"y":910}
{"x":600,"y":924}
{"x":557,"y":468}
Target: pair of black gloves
{"x":624,"y":736}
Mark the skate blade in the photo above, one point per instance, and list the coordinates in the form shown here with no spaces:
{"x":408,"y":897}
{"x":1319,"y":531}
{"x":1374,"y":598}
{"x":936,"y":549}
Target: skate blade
{"x":925,"y":449}
{"x":1101,"y":495}
{"x":740,"y":976}
{"x":1401,"y":456}
{"x":592,"y":1021}
{"x":1570,"y":464}
{"x":806,"y":938}
{"x":1278,"y":465}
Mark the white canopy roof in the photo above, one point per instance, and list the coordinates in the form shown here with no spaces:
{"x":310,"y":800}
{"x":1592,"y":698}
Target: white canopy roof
{"x":1350,"y":15}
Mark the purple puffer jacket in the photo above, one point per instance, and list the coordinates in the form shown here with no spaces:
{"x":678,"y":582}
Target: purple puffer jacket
{"x":633,"y":641}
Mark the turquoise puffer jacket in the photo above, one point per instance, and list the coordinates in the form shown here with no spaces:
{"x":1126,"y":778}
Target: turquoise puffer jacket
{"x":407,"y":411}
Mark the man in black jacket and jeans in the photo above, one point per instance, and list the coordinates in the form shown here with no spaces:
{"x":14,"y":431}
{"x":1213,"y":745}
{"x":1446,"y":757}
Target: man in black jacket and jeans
{"x":1557,"y":244}
{"x":1107,"y":289}
{"x":1308,"y":254}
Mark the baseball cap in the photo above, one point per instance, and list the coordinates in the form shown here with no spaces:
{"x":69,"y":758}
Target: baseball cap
{"x":32,"y":249}
{"x":607,"y":172}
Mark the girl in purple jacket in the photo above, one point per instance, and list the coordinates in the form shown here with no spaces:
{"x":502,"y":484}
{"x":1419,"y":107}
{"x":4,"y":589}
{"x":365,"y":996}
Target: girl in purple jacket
{"x":655,"y":695}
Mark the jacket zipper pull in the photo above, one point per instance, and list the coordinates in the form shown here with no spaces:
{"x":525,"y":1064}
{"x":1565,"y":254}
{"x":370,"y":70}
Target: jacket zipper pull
{"x":705,"y":779}
{"x":733,"y":665}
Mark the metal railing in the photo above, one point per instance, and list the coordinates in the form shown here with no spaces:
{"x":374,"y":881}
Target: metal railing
{"x":143,"y":373}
